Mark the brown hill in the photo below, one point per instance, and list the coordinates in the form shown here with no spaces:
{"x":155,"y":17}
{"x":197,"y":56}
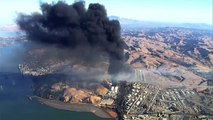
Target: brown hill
{"x":179,"y":52}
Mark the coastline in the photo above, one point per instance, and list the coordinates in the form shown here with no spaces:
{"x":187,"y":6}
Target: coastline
{"x":73,"y":107}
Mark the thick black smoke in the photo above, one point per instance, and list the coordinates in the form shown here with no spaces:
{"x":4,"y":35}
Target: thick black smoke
{"x":74,"y":27}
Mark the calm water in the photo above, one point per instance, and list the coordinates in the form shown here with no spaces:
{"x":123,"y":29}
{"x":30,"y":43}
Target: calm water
{"x":14,"y":88}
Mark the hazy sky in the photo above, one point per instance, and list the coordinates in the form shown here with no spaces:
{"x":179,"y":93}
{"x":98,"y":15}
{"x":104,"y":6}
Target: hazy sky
{"x":180,"y":11}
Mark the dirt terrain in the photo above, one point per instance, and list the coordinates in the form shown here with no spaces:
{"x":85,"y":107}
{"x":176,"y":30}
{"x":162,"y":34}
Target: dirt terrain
{"x":167,"y":54}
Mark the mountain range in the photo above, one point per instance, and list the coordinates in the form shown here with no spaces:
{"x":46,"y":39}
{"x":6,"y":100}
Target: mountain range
{"x":139,"y":24}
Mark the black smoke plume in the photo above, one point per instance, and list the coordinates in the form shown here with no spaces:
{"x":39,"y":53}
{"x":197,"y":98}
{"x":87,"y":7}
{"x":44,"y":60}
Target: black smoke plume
{"x":74,"y":27}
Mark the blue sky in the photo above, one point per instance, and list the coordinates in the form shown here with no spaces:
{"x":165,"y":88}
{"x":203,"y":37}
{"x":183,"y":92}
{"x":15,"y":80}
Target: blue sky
{"x":176,"y":11}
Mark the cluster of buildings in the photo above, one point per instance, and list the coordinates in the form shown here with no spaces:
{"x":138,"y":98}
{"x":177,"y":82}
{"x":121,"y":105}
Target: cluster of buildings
{"x":29,"y":71}
{"x":137,"y":100}
{"x":146,"y":101}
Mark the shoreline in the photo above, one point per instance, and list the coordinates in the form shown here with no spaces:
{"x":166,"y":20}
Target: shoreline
{"x":73,"y":107}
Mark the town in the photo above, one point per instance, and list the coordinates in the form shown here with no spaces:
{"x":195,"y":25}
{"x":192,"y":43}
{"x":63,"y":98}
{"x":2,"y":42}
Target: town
{"x":146,"y":101}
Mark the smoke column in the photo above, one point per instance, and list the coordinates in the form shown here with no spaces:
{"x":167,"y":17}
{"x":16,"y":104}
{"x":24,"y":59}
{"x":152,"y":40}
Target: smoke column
{"x":74,"y":27}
